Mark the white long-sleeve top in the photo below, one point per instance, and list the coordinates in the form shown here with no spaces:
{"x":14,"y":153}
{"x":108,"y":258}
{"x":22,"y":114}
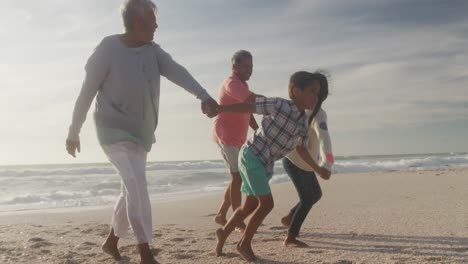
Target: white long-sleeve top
{"x":319,"y":145}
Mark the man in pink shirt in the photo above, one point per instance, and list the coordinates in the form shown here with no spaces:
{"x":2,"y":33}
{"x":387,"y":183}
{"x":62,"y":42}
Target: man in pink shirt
{"x":230,"y":129}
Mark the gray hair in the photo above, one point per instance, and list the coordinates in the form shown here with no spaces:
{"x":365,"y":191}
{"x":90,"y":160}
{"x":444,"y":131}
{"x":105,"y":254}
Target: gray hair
{"x":239,"y":56}
{"x":132,"y":8}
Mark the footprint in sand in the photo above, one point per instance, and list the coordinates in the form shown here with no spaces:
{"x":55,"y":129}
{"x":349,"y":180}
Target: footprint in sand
{"x":177,"y":239}
{"x":70,"y":254}
{"x":37,"y":242}
{"x":70,"y":261}
{"x":460,"y":249}
{"x":210,"y":236}
{"x":271,"y":239}
{"x":36,"y":239}
{"x":183,"y":256}
{"x":195,"y":251}
{"x":343,"y":262}
{"x":438,"y":259}
{"x":278,"y":228}
{"x":86,"y":246}
{"x":86,"y":231}
{"x":315,"y":251}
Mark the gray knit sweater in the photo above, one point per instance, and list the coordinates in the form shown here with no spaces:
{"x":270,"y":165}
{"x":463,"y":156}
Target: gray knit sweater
{"x":116,"y":74}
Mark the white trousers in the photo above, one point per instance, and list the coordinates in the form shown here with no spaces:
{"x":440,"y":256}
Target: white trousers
{"x":133,"y":206}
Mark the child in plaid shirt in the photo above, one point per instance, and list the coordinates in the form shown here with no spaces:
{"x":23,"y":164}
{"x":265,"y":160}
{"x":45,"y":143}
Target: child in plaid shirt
{"x":283,"y":129}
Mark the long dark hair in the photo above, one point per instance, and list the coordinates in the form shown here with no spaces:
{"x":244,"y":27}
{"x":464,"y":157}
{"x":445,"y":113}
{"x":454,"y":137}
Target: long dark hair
{"x":322,"y":77}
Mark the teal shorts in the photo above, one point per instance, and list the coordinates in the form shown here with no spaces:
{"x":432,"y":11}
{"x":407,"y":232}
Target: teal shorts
{"x":254,"y":176}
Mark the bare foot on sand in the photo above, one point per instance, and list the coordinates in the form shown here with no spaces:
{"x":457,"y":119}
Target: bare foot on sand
{"x":292,"y":242}
{"x":286,"y":221}
{"x":221,"y":237}
{"x":246,"y":252}
{"x":220,"y":219}
{"x":111,"y":249}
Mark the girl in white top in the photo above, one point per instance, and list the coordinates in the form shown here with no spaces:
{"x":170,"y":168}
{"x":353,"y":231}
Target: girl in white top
{"x":302,"y":175}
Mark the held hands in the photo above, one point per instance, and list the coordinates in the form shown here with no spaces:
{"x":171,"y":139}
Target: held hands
{"x":72,"y":146}
{"x":210,"y":108}
{"x":324,"y":173}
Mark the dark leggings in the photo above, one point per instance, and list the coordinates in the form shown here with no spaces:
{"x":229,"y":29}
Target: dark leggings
{"x":309,"y":191}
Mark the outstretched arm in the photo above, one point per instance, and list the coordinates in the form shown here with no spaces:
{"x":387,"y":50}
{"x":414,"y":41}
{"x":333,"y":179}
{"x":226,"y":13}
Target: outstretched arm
{"x":251,"y":99}
{"x":237,"y":108}
{"x":179,"y":75}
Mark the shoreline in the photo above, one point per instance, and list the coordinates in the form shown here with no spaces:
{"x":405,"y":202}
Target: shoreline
{"x":193,"y":194}
{"x":379,"y":217}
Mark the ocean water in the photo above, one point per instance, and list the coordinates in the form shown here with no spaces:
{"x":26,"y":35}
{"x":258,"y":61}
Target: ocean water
{"x":32,"y":187}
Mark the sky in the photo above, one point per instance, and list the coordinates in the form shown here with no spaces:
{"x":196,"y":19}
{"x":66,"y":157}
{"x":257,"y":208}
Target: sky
{"x":399,"y":71}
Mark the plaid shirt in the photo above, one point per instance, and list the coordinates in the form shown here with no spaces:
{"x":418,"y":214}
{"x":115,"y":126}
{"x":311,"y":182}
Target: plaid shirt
{"x":283,"y":127}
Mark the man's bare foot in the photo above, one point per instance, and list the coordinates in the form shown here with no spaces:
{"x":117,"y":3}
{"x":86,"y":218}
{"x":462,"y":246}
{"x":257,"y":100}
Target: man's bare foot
{"x":292,"y":242}
{"x":146,"y":255}
{"x":246,"y":252}
{"x":111,"y":249}
{"x":286,"y":221}
{"x":220,"y":219}
{"x":221,"y":238}
{"x":148,"y":260}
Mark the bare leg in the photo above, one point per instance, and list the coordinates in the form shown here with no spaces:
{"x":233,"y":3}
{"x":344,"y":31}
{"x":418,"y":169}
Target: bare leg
{"x":264,"y":208}
{"x":220,"y":217}
{"x":236,"y":198}
{"x":110,"y":245}
{"x":145,"y":254}
{"x":236,"y":182}
{"x":286,"y":221}
{"x":239,"y":215}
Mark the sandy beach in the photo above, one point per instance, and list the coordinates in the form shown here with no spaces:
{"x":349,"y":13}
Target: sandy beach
{"x":378,"y":217}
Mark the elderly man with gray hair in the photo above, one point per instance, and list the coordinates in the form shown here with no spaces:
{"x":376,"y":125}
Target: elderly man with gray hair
{"x":230,"y":129}
{"x":123,"y":73}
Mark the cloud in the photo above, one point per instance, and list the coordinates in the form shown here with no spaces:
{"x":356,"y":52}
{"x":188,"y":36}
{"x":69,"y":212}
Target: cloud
{"x":400,"y":64}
